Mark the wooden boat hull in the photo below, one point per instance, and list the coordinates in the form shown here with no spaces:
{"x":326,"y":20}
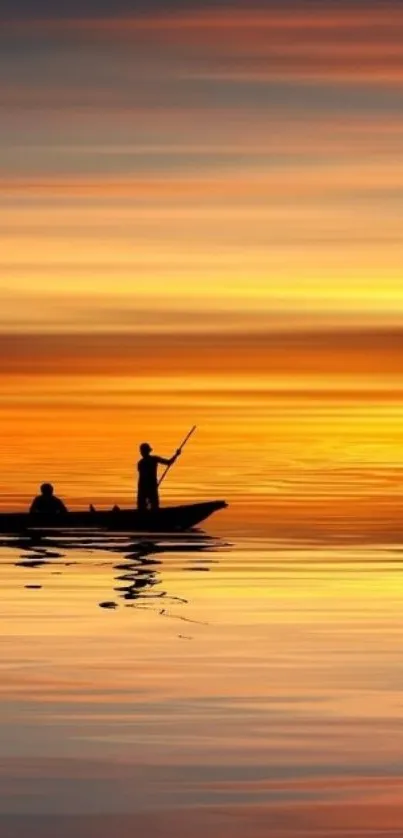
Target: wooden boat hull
{"x":167,"y":519}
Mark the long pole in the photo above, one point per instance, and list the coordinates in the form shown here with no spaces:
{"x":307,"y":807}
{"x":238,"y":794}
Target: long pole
{"x":182,"y":445}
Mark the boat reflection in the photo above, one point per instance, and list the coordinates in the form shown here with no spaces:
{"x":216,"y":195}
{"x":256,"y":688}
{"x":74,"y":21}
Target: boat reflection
{"x":138,"y":572}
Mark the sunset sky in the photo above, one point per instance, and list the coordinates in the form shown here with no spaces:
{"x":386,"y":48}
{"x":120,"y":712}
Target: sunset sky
{"x":201,"y":216}
{"x":193,"y":193}
{"x":183,"y":165}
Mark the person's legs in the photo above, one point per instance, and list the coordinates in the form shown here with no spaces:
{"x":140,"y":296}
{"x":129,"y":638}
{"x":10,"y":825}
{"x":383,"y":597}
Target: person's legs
{"x":142,"y":500}
{"x":153,"y":497}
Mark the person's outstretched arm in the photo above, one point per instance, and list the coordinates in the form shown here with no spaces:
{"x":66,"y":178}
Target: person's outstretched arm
{"x":175,"y":456}
{"x":164,"y":462}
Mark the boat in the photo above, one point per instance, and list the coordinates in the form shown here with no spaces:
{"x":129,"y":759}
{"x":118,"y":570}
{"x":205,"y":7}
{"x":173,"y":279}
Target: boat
{"x":166,"y":519}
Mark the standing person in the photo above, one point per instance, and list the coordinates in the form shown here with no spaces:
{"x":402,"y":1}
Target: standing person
{"x":147,"y":494}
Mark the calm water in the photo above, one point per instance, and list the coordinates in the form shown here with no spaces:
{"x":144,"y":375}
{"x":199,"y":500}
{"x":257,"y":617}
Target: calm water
{"x":234,"y":686}
{"x":247,"y":684}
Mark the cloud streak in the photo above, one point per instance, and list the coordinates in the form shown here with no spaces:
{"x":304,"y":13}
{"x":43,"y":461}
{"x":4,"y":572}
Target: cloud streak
{"x":359,"y":355}
{"x":354,"y":43}
{"x":236,"y":159}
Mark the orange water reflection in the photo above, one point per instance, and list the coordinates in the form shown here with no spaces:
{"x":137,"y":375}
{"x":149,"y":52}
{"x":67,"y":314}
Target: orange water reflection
{"x":314,"y":461}
{"x":245,"y":687}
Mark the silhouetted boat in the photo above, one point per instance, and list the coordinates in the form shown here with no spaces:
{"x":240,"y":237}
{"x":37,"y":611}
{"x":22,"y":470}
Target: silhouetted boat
{"x":166,"y":519}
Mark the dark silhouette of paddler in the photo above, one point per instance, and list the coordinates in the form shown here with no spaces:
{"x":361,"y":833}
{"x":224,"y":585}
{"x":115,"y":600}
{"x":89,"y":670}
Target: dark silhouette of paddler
{"x":147,"y":495}
{"x":47,"y":503}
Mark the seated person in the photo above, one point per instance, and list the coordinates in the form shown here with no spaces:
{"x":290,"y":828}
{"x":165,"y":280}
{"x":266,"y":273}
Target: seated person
{"x":47,"y":503}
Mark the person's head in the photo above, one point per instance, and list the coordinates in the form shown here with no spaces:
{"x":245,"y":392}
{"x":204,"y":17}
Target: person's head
{"x":47,"y":489}
{"x":145,"y":449}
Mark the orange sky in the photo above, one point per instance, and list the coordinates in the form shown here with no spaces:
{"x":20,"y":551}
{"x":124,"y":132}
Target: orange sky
{"x":218,"y":161}
{"x":201,"y":222}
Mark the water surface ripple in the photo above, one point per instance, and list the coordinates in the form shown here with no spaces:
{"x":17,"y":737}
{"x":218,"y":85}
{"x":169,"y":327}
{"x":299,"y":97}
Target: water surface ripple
{"x":179,"y":685}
